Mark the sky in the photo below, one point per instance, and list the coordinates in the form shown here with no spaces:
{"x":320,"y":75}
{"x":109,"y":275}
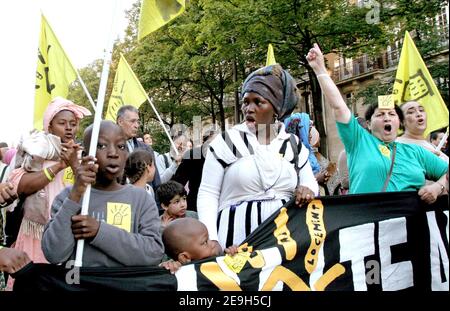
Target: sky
{"x":83,"y":29}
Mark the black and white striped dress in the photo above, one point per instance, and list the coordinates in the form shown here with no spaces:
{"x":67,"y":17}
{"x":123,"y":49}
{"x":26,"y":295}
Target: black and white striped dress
{"x":245,"y":182}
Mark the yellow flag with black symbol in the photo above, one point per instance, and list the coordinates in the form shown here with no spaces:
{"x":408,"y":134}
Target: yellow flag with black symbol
{"x":127,"y":90}
{"x":270,"y":60}
{"x":157,"y":13}
{"x":413,"y":82}
{"x":54,"y":72}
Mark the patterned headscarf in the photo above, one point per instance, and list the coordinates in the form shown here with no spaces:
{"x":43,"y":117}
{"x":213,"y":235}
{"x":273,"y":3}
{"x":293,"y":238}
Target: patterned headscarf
{"x":276,"y":85}
{"x":59,"y":104}
{"x":299,"y":124}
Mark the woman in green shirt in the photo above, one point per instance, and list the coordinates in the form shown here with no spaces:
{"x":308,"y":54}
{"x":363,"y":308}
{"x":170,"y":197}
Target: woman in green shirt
{"x":370,"y":155}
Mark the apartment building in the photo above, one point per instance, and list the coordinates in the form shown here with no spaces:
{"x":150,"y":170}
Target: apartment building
{"x":353,"y":75}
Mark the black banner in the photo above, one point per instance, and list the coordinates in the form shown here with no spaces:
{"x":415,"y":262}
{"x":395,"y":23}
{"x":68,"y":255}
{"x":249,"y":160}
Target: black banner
{"x":375,"y":242}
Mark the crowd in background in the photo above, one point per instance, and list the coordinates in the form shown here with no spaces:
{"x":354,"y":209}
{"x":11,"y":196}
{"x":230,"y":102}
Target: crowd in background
{"x":197,"y":201}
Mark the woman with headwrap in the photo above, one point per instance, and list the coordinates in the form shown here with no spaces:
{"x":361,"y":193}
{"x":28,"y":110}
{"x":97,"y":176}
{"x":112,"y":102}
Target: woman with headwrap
{"x":299,"y":124}
{"x":254,"y":168}
{"x":44,"y":165}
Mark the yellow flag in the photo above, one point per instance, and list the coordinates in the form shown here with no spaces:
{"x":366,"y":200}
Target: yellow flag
{"x":414,"y":82}
{"x":127,"y":90}
{"x":157,"y":13}
{"x":270,"y":60}
{"x":54,"y":72}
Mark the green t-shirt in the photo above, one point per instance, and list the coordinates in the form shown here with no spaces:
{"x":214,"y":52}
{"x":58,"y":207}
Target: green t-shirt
{"x":369,"y":161}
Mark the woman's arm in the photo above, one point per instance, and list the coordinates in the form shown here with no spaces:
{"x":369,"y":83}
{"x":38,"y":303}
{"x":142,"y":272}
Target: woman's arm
{"x":332,"y":95}
{"x":209,"y":193}
{"x":430,"y":193}
{"x":307,"y":187}
{"x":35,"y":181}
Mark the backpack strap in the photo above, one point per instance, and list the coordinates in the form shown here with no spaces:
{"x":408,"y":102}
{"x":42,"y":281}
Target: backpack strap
{"x":166,"y":161}
{"x":296,"y":148}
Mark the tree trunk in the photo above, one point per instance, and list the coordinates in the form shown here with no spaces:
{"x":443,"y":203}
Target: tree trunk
{"x":213,"y":112}
{"x":221,"y":113}
{"x":237,"y":106}
{"x":317,"y":114}
{"x":221,"y":109}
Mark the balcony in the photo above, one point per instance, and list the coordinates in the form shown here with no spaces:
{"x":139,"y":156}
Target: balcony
{"x":365,"y":65}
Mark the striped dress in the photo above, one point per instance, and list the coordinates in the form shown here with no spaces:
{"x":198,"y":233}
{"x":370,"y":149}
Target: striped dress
{"x":244,"y":182}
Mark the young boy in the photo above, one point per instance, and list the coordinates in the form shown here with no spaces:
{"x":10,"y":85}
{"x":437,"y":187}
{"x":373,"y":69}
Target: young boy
{"x":187,"y":239}
{"x":122,"y":228}
{"x":172,"y":196}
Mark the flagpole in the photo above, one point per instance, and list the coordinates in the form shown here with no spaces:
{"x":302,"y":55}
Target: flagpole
{"x":85,"y":90}
{"x":151,"y":103}
{"x":442,"y":142}
{"x":162,"y":124}
{"x":96,"y":127}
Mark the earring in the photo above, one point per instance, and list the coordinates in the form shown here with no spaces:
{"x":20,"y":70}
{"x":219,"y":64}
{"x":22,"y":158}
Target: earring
{"x":276,"y":124}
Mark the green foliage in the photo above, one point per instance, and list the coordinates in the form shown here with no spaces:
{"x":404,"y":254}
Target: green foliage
{"x":189,"y":65}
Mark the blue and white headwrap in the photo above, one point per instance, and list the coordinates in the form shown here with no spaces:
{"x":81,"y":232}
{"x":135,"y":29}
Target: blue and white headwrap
{"x":299,"y":124}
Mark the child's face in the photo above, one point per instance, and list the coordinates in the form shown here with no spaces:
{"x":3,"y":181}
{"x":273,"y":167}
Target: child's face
{"x":64,"y":125}
{"x":201,"y":246}
{"x":111,"y":153}
{"x":177,"y":206}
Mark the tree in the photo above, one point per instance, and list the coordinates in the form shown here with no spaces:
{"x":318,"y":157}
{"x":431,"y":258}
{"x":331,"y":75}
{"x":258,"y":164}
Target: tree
{"x":197,"y":61}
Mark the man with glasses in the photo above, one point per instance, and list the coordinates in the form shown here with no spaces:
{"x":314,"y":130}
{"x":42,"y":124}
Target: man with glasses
{"x":128,"y":120}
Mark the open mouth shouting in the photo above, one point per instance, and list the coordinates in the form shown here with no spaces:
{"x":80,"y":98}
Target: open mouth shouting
{"x":387,"y":129}
{"x":421,"y":121}
{"x":250,"y":120}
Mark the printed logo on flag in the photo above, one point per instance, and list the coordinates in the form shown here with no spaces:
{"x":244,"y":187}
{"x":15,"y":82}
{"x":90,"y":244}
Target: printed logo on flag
{"x":119,"y":215}
{"x":127,"y":90}
{"x":416,"y":87}
{"x":116,"y":101}
{"x":413,"y":82}
{"x":168,"y":8}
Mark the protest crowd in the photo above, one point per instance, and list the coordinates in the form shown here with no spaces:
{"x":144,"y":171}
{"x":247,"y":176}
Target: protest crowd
{"x":199,"y":199}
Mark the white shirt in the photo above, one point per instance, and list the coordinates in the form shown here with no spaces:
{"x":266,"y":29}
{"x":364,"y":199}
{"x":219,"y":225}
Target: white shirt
{"x":264,"y":175}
